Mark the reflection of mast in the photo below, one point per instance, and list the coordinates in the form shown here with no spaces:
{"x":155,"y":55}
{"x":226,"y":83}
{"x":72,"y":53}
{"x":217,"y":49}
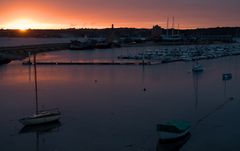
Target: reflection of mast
{"x":143,"y":78}
{"x":195,"y":85}
{"x":37,"y":141}
{"x":35,"y":80}
{"x":29,"y":67}
{"x":29,"y":73}
{"x":41,"y":130}
{"x":225,"y":89}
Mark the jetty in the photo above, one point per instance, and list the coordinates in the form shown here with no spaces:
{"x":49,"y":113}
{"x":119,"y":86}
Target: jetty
{"x":9,"y":53}
{"x":35,"y":48}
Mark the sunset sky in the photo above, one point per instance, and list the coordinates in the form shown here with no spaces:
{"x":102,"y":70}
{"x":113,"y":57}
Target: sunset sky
{"x":42,"y":14}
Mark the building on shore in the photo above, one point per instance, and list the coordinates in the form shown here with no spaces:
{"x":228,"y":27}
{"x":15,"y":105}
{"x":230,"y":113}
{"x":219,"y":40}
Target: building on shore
{"x":156,"y":33}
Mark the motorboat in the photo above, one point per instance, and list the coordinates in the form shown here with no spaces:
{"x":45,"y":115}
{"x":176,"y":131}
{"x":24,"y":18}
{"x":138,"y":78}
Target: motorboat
{"x":197,"y":68}
{"x":227,"y":76}
{"x":173,"y":130}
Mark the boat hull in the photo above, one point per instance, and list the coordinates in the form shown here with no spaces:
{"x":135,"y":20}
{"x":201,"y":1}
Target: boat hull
{"x":227,"y":76}
{"x":40,"y":120}
{"x":198,"y":69}
{"x":173,"y":145}
{"x":170,"y":136}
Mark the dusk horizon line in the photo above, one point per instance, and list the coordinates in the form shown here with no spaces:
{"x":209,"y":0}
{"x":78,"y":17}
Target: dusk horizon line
{"x":122,"y":28}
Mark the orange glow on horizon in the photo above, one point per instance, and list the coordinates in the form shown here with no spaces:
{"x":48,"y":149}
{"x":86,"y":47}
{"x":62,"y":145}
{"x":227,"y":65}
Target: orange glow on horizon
{"x":28,"y":14}
{"x":24,"y":24}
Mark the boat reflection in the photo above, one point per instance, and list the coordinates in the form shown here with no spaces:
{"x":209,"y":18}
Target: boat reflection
{"x":40,"y":130}
{"x":196,"y":77}
{"x":143,"y":78}
{"x":175,"y":145}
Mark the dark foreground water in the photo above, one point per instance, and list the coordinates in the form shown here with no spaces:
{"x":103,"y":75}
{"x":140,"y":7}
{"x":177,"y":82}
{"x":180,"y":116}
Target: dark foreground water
{"x":105,"y":108}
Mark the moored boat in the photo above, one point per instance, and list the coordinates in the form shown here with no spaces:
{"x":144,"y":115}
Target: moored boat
{"x":42,"y":117}
{"x":173,"y":130}
{"x":197,"y":68}
{"x":227,"y":76}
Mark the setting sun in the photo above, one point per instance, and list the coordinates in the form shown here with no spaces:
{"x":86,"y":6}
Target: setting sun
{"x":24,"y":24}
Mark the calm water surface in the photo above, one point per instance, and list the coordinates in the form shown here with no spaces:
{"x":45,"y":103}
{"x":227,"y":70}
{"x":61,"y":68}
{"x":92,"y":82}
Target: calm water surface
{"x":105,"y":107}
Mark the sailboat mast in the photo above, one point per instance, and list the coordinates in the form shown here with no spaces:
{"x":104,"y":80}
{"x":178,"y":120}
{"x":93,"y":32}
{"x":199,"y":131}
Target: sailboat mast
{"x":167,"y":25}
{"x":29,"y":57}
{"x":35,"y":80}
{"x":173,"y":22}
{"x":178,"y":30}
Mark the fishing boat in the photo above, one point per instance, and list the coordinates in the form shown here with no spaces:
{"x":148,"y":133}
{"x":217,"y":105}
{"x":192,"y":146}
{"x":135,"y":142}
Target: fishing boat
{"x":173,"y":130}
{"x":227,"y":76}
{"x":40,"y":116}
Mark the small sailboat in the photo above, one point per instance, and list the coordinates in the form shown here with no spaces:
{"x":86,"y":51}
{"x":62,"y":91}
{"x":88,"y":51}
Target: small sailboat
{"x":173,"y":130}
{"x":43,"y":116}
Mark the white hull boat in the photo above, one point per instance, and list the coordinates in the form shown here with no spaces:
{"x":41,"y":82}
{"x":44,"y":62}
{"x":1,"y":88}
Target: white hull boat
{"x":41,"y":118}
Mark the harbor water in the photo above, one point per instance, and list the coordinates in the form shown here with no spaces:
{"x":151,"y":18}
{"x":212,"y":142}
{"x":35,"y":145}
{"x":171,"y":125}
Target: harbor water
{"x":118,"y":107}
